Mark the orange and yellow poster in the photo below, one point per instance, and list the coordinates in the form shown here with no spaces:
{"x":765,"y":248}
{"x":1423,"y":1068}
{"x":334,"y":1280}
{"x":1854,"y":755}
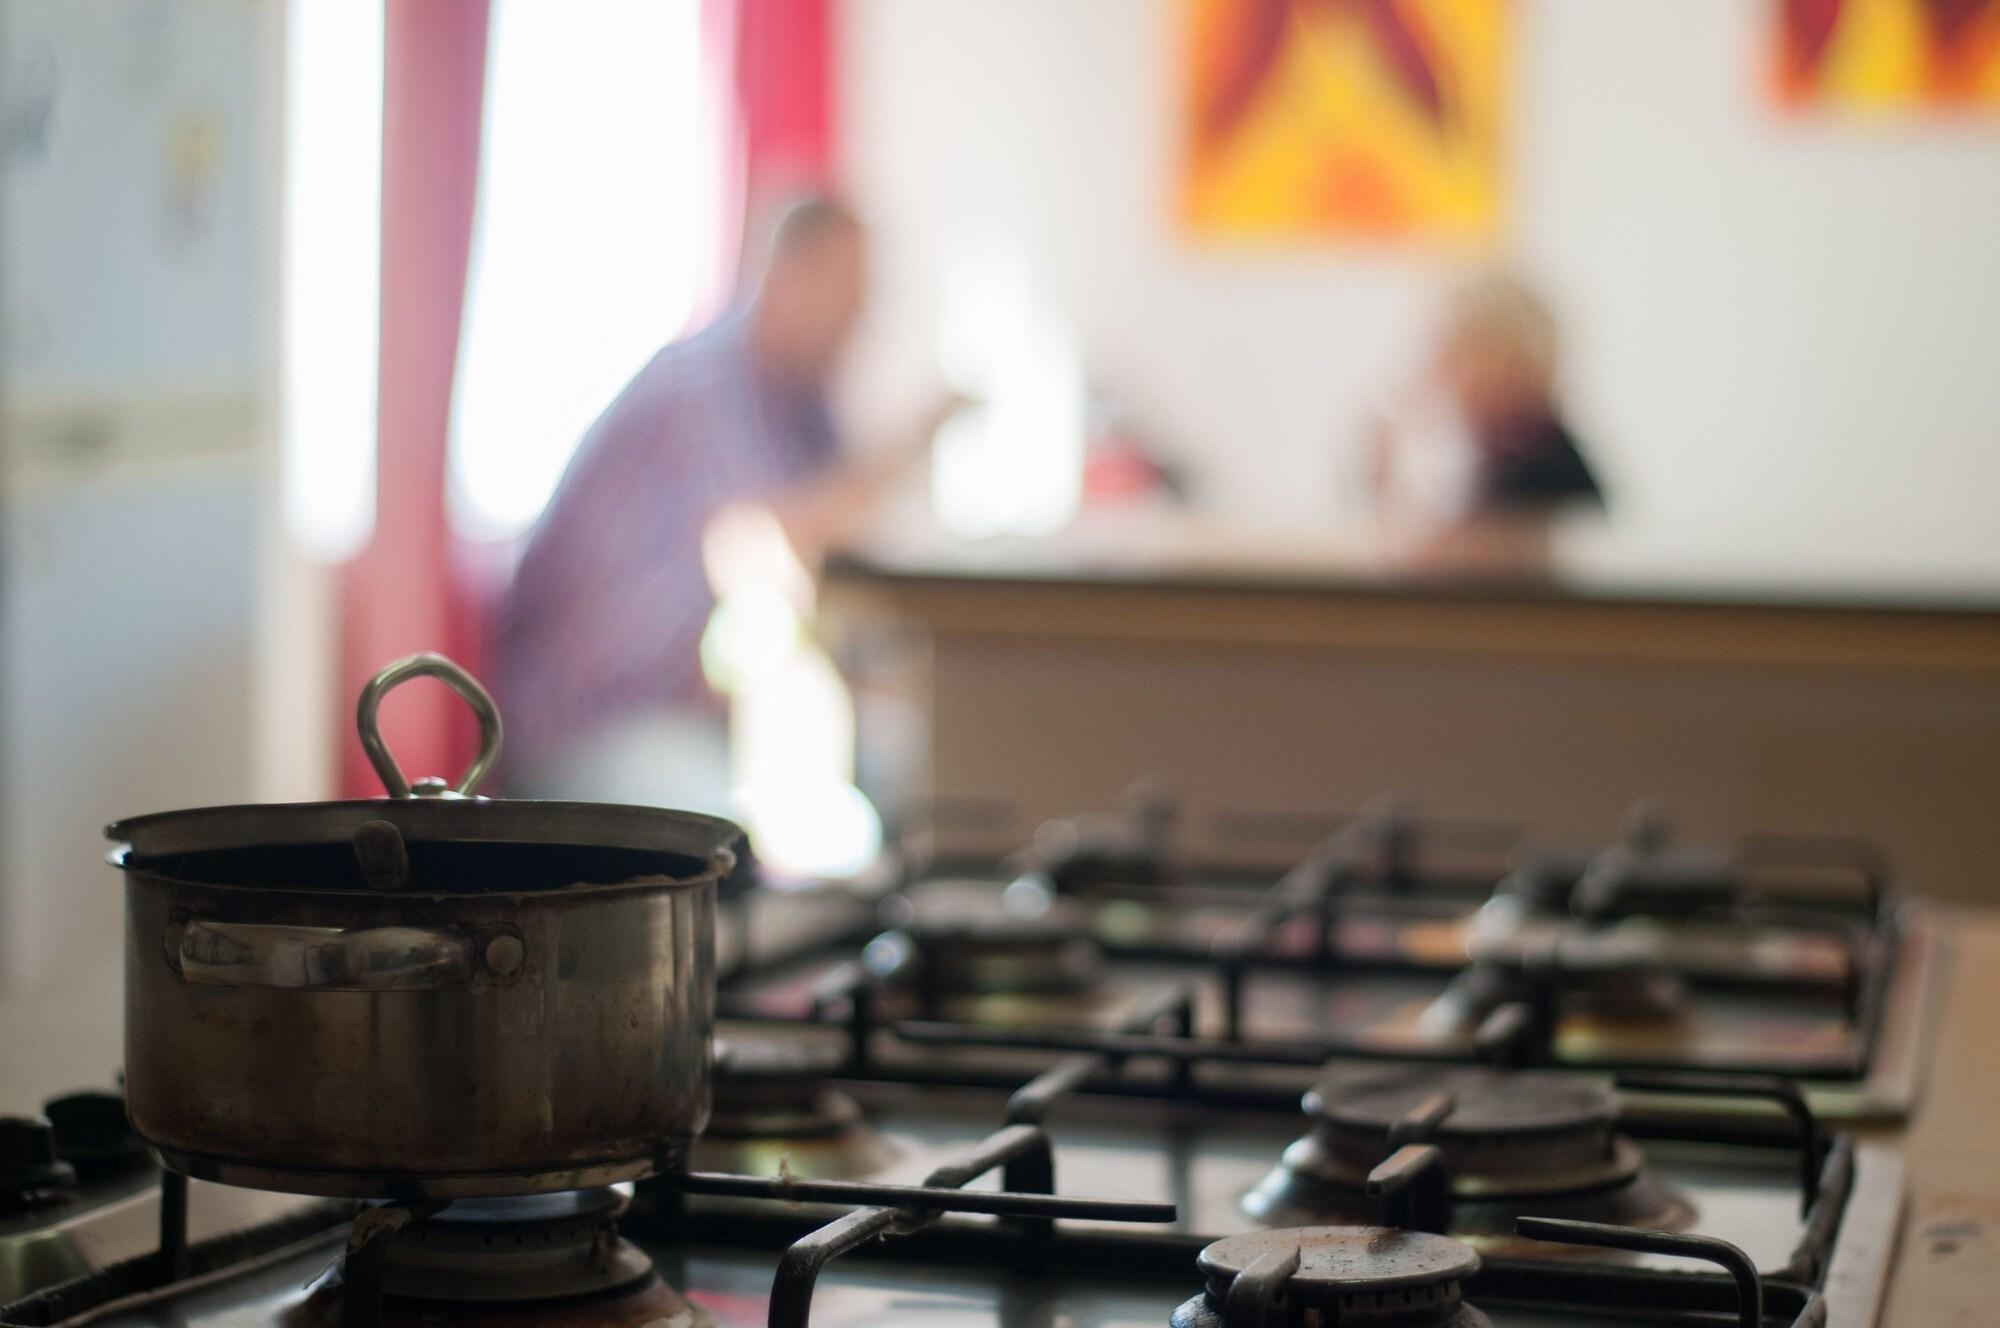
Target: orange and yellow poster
{"x":1886,"y":55}
{"x":1342,"y":119}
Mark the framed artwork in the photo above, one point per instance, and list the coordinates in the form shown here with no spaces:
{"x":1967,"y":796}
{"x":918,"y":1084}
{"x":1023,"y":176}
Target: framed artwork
{"x":1885,"y":55}
{"x":1332,"y":120}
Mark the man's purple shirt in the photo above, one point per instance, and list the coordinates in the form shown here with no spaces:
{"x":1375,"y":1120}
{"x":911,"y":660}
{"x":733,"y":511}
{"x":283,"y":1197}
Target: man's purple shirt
{"x":605,"y":615}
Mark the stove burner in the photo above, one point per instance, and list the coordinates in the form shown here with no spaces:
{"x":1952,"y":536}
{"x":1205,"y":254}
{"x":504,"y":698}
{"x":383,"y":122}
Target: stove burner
{"x":958,"y":939}
{"x":1551,"y":1128}
{"x":1083,"y":853}
{"x":536,"y":1247}
{"x":1369,"y":1277}
{"x":775,"y":1111}
{"x":1624,"y":881}
{"x":1509,"y":1144}
{"x":546,"y":1259}
{"x":1612,"y":976}
{"x":1642,"y":874}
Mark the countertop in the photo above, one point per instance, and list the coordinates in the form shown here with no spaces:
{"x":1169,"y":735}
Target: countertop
{"x":1591,"y":562}
{"x":1168,"y":579}
{"x":1947,"y":1273}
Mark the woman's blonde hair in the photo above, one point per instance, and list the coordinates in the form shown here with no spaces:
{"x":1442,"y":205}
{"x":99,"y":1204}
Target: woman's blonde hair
{"x":1496,"y":312}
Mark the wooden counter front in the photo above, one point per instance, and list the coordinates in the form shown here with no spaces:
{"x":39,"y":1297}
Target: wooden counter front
{"x":1048,"y":687}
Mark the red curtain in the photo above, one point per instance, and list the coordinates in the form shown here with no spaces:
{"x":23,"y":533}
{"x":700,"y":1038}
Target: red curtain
{"x":415,"y":587}
{"x":397,"y":595}
{"x":783,"y":64}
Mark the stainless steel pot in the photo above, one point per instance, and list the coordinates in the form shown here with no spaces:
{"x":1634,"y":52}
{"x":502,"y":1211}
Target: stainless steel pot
{"x":432,"y":995}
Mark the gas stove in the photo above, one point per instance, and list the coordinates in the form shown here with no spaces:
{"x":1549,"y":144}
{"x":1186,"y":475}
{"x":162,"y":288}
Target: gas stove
{"x":1422,"y":1080}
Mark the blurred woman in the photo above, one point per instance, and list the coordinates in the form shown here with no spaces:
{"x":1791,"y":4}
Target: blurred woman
{"x":1494,"y":370}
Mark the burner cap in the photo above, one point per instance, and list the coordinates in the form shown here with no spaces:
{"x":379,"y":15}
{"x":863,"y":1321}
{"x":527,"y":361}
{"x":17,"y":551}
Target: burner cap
{"x":1090,"y":851}
{"x":773,"y":1110}
{"x":1349,"y":1275}
{"x":1626,"y":882}
{"x":1486,"y":1103}
{"x":1508,"y":1143}
{"x":1020,"y":912}
{"x":776,"y":1088}
{"x":966,"y":938}
{"x":1514,"y":1132}
{"x":761,"y":1060}
{"x":1619,"y":973}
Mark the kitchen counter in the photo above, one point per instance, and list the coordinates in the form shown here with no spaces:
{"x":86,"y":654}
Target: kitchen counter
{"x":1365,"y":573}
{"x":1306,"y":673}
{"x":1947,"y":1272}
{"x":1588,"y":560}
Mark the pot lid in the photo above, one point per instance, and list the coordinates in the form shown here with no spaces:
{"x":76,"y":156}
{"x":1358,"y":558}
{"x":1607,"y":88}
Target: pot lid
{"x":425,"y":834}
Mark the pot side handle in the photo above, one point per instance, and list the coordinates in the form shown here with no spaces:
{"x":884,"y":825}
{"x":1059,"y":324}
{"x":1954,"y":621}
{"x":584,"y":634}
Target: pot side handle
{"x":244,"y":954}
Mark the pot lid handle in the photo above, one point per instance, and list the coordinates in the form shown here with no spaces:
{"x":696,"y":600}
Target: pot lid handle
{"x":427,"y":665}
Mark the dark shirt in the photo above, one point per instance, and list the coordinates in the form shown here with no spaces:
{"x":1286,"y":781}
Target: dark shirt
{"x":1537,"y":467}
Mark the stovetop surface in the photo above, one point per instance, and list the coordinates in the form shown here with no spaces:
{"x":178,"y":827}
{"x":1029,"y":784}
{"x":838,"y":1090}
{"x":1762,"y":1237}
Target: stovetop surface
{"x":1383,"y":1012}
{"x":1850,"y":1072}
{"x":1203,"y":1160}
{"x":116,"y":1218}
{"x":1834,"y":998}
{"x":733,"y":1288}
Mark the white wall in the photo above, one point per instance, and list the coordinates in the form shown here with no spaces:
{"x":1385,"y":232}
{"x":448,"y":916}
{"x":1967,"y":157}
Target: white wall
{"x":1785,"y":335}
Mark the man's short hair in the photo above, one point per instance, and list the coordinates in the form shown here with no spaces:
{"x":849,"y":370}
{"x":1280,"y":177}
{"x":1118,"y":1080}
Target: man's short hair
{"x":808,"y":219}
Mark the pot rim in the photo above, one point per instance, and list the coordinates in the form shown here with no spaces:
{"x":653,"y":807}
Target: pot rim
{"x":147,"y":844}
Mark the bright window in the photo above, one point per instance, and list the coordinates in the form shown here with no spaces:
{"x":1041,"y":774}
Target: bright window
{"x":596,"y":227}
{"x":332,"y":271}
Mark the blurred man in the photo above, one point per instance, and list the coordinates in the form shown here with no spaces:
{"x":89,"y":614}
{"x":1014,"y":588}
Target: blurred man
{"x":599,"y":640}
{"x":1494,"y":369}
